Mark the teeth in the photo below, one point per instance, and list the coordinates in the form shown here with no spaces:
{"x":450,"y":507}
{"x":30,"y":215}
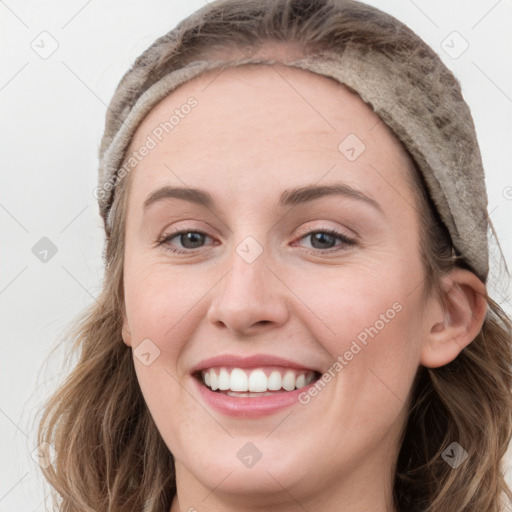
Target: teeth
{"x":289,"y":381}
{"x":245,"y":395}
{"x":256,"y":382}
{"x":238,"y":380}
{"x":214,"y":381}
{"x":274,"y":381}
{"x":301,"y":381}
{"x":224,"y":380}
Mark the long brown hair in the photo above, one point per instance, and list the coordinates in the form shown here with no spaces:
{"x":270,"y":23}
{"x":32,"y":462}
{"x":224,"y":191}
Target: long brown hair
{"x":109,"y":453}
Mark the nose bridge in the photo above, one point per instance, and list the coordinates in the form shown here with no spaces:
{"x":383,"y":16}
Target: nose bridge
{"x":249,"y":271}
{"x":249,"y":293}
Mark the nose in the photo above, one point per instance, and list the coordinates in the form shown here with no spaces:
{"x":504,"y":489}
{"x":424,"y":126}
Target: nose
{"x":250,"y":297}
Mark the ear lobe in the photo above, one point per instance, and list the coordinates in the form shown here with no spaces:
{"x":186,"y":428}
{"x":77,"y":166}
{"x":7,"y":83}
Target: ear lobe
{"x":455,"y":319}
{"x":125,"y":332}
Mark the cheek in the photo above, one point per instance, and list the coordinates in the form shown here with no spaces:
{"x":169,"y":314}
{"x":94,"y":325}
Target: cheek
{"x":158,"y":296}
{"x":347,"y":304}
{"x":165,"y":305}
{"x":162,"y":306}
{"x":371,"y":328}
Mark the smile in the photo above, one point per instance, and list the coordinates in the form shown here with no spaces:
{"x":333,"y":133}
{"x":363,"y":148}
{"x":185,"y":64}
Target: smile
{"x":256,"y":382}
{"x":253,"y":386}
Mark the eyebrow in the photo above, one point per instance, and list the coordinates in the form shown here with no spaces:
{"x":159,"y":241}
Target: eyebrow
{"x":290,"y":197}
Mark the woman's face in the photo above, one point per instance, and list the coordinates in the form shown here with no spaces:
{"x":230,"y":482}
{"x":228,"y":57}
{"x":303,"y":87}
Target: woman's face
{"x":258,"y":291}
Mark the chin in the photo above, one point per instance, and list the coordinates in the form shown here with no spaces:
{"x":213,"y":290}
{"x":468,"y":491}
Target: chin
{"x":249,"y":469}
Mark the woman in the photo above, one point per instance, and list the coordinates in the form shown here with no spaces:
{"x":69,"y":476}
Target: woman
{"x":294,"y":314}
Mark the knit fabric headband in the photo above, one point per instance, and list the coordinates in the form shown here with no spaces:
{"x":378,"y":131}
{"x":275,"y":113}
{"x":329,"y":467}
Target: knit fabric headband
{"x":434,"y":124}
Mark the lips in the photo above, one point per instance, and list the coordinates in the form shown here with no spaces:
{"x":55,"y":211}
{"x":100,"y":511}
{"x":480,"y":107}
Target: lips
{"x":255,"y":361}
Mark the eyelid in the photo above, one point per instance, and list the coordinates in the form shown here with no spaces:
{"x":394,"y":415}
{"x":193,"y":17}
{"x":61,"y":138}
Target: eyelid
{"x":347,"y":233}
{"x":186,"y":227}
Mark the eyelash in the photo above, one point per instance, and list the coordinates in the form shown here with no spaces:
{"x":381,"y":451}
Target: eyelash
{"x":345,"y":240}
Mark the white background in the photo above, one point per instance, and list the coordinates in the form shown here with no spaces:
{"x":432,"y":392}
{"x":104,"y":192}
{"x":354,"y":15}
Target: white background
{"x":52,"y":120}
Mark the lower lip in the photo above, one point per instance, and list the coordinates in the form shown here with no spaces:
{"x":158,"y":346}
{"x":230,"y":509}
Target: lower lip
{"x":249,"y":406}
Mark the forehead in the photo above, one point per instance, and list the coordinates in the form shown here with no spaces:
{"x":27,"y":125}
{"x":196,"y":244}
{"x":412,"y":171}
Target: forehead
{"x":252,"y":119}
{"x":252,"y":96}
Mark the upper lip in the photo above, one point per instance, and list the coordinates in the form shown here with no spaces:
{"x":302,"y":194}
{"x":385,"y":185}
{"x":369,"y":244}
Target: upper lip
{"x":255,"y":361}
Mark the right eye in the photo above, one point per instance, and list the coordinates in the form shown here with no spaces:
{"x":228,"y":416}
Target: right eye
{"x":189,"y":239}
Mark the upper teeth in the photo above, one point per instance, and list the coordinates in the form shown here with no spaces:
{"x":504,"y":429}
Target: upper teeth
{"x":256,"y":380}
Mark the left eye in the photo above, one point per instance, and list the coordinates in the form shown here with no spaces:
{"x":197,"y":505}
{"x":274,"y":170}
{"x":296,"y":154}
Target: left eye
{"x":327,"y":236}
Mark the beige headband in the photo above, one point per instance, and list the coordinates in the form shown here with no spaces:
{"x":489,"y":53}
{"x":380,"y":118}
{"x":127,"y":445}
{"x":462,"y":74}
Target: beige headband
{"x":436,"y":127}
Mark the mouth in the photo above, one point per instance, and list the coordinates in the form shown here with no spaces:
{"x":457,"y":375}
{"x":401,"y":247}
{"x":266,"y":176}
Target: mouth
{"x":253,"y":386}
{"x":255,"y":382}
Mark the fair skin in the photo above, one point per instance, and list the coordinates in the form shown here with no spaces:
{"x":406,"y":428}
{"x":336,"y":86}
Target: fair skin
{"x":304,"y":298}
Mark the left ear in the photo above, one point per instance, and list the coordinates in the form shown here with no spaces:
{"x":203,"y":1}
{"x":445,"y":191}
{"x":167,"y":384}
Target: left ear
{"x":455,"y":318}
